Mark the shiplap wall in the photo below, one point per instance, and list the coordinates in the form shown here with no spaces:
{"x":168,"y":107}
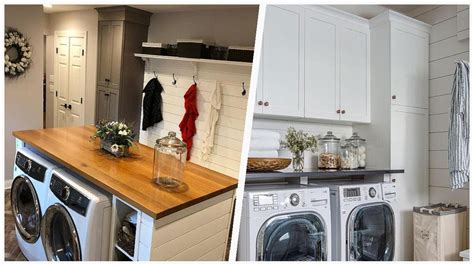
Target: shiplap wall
{"x":225,"y":157}
{"x":445,"y":49}
{"x":315,"y":128}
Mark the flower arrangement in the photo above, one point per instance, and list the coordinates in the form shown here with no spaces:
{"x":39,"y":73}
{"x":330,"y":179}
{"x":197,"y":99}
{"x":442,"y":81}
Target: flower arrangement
{"x":115,"y":137}
{"x":17,"y":53}
{"x":298,"y":142}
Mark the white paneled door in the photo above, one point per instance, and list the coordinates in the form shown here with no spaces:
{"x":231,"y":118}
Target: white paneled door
{"x":70,"y":75}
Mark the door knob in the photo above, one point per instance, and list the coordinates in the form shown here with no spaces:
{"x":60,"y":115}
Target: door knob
{"x":394,"y":97}
{"x":259,"y":102}
{"x":338,"y":111}
{"x":69,"y":106}
{"x":64,"y":105}
{"x":266,"y":104}
{"x":343,"y":111}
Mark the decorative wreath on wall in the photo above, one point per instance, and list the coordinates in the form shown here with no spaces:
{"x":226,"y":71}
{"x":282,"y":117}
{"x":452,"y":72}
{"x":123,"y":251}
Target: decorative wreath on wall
{"x":17,"y":53}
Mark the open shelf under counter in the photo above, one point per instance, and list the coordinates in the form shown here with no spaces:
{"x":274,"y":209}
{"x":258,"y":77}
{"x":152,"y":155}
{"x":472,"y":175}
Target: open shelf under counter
{"x":193,"y":60}
{"x":319,"y":174}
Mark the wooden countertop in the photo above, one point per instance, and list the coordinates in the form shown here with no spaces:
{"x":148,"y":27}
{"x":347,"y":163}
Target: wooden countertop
{"x":129,"y":178}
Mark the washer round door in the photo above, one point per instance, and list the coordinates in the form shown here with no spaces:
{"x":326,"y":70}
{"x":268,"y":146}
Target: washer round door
{"x":26,"y":209}
{"x":371,"y":233}
{"x":59,"y":235}
{"x":292,"y":237}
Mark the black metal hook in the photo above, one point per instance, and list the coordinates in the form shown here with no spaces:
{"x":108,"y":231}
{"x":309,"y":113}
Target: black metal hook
{"x":174,"y":80}
{"x":154,"y":73}
{"x":243,"y":89}
{"x":194,"y":81}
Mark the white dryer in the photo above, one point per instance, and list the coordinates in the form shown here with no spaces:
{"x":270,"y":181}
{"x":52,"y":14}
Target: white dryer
{"x":76,"y":223}
{"x":285,"y":223}
{"x":28,"y":197}
{"x":363,"y":222}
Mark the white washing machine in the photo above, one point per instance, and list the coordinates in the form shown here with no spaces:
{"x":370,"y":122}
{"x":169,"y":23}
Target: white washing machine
{"x":285,"y":223}
{"x":363,"y":221}
{"x":29,"y":191}
{"x":76,"y":224}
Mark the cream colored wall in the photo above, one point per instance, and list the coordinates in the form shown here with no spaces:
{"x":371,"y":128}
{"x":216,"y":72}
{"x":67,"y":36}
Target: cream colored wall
{"x":222,"y":27}
{"x":24,"y":95}
{"x":86,"y":20}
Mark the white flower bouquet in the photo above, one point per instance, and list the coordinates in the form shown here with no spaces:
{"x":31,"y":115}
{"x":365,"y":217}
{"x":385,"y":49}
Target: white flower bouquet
{"x":115,"y":137}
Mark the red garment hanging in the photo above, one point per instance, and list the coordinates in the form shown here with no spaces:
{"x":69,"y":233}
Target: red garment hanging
{"x":187,"y":125}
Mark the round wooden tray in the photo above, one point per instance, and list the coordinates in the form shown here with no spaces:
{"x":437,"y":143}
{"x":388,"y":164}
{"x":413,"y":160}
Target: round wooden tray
{"x":267,"y":164}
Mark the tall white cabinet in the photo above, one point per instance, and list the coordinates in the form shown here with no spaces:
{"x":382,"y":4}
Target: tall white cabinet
{"x":398,"y":131}
{"x":315,"y":65}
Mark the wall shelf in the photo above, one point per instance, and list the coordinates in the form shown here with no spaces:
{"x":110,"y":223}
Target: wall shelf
{"x":146,"y":57}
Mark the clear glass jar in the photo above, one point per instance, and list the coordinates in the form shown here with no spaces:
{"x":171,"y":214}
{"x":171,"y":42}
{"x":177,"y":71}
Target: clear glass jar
{"x":329,"y":157}
{"x":361,"y":146}
{"x":349,"y":158}
{"x":169,"y":161}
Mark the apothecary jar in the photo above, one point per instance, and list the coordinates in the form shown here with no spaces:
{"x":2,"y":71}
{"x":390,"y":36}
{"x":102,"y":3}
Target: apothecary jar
{"x":169,"y":161}
{"x":361,"y":145}
{"x":329,"y":157}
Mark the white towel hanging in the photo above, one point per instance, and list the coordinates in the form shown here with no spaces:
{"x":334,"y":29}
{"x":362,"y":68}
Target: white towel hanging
{"x":211,"y":121}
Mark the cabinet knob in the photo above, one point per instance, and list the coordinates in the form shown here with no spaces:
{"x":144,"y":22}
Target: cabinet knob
{"x":343,"y":111}
{"x":338,"y":111}
{"x":266,"y":104}
{"x":394,"y":97}
{"x":260,"y":103}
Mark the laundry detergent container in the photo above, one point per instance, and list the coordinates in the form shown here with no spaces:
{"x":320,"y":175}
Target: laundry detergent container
{"x":439,"y":232}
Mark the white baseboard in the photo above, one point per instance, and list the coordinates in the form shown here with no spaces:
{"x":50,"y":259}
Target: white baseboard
{"x":8,"y":184}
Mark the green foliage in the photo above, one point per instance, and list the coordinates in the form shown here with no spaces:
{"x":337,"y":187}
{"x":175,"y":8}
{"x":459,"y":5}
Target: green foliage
{"x":299,"y":141}
{"x":115,"y":132}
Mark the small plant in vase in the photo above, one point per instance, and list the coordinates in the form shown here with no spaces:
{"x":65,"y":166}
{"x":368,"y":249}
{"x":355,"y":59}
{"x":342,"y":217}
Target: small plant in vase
{"x":115,"y":137}
{"x":298,"y":142}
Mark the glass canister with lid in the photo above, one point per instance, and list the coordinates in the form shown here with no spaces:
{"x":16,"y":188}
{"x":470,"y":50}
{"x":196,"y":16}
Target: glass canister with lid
{"x":169,"y":161}
{"x":349,"y":158}
{"x":329,"y":157}
{"x":361,"y":145}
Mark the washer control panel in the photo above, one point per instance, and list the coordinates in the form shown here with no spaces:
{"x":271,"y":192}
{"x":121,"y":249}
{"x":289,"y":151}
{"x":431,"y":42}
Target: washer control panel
{"x":68,"y":195}
{"x":265,"y":202}
{"x":368,"y":192}
{"x":30,"y":167}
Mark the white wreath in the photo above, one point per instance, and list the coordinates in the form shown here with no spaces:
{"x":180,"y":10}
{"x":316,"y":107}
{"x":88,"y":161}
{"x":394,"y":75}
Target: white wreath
{"x":16,"y":40}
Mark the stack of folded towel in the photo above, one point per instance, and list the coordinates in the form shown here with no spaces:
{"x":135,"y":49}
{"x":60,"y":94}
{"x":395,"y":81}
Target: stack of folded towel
{"x":264,"y":144}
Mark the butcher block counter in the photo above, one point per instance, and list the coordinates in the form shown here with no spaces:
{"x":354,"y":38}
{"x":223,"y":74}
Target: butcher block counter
{"x":206,"y":199}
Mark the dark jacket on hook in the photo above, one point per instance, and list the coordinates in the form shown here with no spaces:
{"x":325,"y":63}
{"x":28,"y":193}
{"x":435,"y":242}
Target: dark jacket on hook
{"x":152,"y":103}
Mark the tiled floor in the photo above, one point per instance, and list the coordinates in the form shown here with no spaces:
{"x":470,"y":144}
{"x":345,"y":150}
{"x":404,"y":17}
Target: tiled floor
{"x":12,"y":251}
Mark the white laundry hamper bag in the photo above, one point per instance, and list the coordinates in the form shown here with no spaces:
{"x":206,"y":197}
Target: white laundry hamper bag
{"x":439,"y":232}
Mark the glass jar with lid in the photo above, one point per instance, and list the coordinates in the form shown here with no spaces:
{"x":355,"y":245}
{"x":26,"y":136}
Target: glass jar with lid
{"x":349,"y":158}
{"x":361,"y":146}
{"x":329,"y":157}
{"x":169,"y":161}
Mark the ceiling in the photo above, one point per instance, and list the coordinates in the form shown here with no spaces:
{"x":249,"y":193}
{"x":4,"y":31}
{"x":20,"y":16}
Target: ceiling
{"x":370,"y":11}
{"x":149,"y":8}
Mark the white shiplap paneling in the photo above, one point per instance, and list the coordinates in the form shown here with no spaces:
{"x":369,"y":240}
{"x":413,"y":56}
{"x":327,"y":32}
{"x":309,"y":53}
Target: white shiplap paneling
{"x":225,"y":157}
{"x":445,"y":49}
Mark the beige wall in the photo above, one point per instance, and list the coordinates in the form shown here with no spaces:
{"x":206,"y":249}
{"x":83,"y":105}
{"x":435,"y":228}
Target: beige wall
{"x":86,"y":20}
{"x":24,"y":95}
{"x":222,"y":27}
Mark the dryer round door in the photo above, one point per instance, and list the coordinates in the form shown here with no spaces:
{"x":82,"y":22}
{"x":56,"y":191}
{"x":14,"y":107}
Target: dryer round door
{"x":59,"y":235}
{"x":292,"y":237}
{"x":371,"y":233}
{"x":26,"y":209}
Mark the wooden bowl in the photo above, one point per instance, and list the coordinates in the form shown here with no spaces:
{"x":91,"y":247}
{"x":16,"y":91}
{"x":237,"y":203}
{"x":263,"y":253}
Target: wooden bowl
{"x":267,"y":164}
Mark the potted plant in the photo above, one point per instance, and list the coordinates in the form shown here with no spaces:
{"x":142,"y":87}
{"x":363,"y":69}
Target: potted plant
{"x":115,"y":137}
{"x":298,"y":142}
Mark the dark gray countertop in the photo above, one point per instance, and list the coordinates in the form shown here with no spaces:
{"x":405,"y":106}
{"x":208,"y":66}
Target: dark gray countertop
{"x":315,"y":173}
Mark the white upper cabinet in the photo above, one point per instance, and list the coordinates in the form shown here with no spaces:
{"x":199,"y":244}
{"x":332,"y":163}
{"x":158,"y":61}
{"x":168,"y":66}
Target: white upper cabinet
{"x":354,"y":74}
{"x":315,"y":65}
{"x":281,"y":89}
{"x":321,"y":59}
{"x":409,"y":57}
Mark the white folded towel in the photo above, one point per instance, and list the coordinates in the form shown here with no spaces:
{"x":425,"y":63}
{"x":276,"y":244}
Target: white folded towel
{"x":263,"y":154}
{"x":265,"y":134}
{"x":264,"y":144}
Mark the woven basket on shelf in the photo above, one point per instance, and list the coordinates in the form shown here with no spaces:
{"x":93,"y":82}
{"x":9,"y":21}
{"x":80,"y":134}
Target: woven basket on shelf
{"x":267,"y":164}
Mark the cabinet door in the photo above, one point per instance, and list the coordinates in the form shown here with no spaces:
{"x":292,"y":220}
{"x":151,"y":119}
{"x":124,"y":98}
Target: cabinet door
{"x":102,"y":104}
{"x":105,"y":53}
{"x":283,"y":92}
{"x":354,"y":74}
{"x":409,"y":67}
{"x":116,"y":47}
{"x":321,"y":67}
{"x":113,"y":105}
{"x":259,"y":93}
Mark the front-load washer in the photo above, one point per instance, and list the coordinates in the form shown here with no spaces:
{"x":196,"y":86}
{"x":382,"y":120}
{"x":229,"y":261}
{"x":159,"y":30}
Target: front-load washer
{"x":285,"y":223}
{"x":363,"y":222}
{"x":76,"y":224}
{"x":28,"y":196}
